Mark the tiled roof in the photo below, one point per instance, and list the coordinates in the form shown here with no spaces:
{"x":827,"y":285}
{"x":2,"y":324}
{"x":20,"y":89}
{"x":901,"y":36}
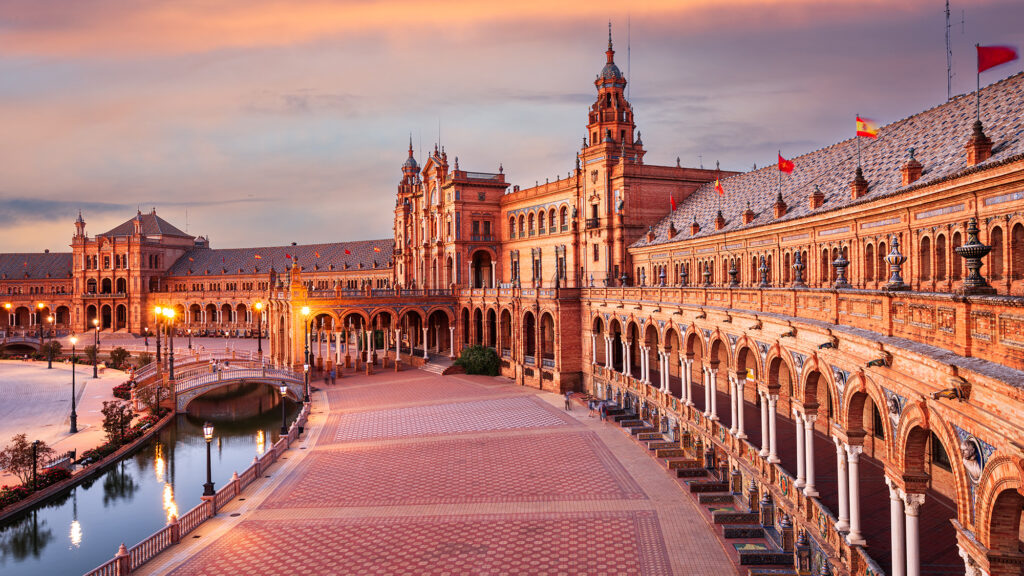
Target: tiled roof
{"x":332,"y":257}
{"x":152,"y":225}
{"x":938,"y":137}
{"x":35,"y":265}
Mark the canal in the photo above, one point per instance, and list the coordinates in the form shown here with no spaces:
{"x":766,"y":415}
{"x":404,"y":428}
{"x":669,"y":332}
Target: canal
{"x":83,"y":528}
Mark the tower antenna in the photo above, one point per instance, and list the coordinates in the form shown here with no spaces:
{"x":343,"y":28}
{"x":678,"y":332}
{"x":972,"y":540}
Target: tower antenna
{"x":629,"y":75}
{"x":949,"y":59}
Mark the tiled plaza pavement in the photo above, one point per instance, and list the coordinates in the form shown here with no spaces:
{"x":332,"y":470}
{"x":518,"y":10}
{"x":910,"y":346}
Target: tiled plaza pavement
{"x":412,"y":473}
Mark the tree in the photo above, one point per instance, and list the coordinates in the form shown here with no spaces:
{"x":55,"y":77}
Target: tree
{"x":148,"y":395}
{"x":90,"y":353}
{"x":52,"y":347}
{"x":16,"y":457}
{"x":117,"y":416}
{"x":118,"y":356}
{"x":142,"y":359}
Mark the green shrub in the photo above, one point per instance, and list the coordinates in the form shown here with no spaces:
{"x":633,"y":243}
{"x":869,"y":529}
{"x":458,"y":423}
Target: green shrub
{"x":118,"y":356}
{"x":479,"y":360}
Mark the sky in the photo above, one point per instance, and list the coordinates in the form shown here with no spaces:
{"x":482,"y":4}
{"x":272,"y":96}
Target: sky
{"x":266,"y":122}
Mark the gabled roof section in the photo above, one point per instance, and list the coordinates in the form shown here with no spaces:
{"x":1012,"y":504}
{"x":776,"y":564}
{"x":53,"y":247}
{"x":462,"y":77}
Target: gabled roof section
{"x":363,"y":255}
{"x":152,"y":225}
{"x":35,"y":265}
{"x":938,"y":136}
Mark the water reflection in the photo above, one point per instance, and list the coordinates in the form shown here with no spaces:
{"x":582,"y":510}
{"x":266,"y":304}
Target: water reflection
{"x":132,"y":499}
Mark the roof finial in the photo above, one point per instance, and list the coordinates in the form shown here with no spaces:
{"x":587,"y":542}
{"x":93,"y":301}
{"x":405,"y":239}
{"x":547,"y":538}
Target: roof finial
{"x":609,"y":34}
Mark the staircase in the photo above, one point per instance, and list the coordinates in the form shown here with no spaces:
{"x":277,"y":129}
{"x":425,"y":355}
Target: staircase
{"x":439,"y":365}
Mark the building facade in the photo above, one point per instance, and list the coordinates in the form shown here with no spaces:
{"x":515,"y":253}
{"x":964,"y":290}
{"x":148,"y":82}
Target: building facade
{"x":864,"y":312}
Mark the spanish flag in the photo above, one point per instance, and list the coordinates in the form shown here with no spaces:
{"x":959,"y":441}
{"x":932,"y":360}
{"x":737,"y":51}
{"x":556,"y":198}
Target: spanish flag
{"x":718,"y":187}
{"x":346,"y":251}
{"x":317,"y":254}
{"x":375,"y":249}
{"x":785,"y":165}
{"x":258,"y":257}
{"x":673,"y":199}
{"x":866,"y":128}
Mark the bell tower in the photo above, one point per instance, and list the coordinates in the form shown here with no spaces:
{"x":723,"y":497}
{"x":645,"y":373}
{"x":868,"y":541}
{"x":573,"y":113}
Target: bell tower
{"x":610,"y":127}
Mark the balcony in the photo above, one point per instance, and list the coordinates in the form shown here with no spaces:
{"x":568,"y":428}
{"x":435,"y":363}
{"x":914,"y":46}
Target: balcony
{"x":482,"y":238}
{"x":593,"y":223}
{"x":104,"y":295}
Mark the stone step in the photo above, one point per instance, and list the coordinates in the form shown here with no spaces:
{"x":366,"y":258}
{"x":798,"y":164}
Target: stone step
{"x":624,"y":416}
{"x":636,"y":430}
{"x":649,"y":437}
{"x":630,"y":422}
{"x":716,"y":499}
{"x":662,"y":445}
{"x":697,"y":486}
{"x":677,"y":463}
{"x":766,"y":558}
{"x":771,"y":572}
{"x":614,"y":412}
{"x":743,"y":531}
{"x":735,"y":518}
{"x":669,"y":453}
{"x":692,"y":473}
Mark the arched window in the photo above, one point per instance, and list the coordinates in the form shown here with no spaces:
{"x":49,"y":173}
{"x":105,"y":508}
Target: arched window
{"x":995,"y":270}
{"x":882,"y":266}
{"x":940,"y":257}
{"x":551,"y":220}
{"x":787,"y":265}
{"x":563,"y":218}
{"x":957,"y":260}
{"x":512,"y":227}
{"x":823,"y":266}
{"x":1017,"y":252}
{"x":925,"y":254}
{"x":869,"y":263}
{"x":522,"y":225}
{"x":530,"y":223}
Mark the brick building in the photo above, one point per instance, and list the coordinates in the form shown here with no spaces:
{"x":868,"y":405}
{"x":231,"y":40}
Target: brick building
{"x":843,"y":344}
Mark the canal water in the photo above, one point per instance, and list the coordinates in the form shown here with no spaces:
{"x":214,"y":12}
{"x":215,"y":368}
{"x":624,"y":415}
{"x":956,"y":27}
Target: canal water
{"x":83,"y":528}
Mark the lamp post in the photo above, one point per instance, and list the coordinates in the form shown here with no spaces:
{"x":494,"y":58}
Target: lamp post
{"x":189,"y":338}
{"x":96,"y":347}
{"x":259,"y":328}
{"x":284,"y":394}
{"x":159,"y":312}
{"x":49,"y":349}
{"x":145,"y":332}
{"x":169,"y":313}
{"x":39,"y":320}
{"x":74,"y":415}
{"x":305,"y":327}
{"x":208,"y":435}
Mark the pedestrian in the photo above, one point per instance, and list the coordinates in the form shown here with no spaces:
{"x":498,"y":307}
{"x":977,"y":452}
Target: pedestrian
{"x":334,"y":375}
{"x":568,"y":396}
{"x":603,"y":410}
{"x":593,"y":407}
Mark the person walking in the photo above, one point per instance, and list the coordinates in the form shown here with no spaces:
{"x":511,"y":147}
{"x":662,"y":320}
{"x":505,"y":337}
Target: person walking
{"x":334,"y":375}
{"x":568,"y":399}
{"x":603,"y":411}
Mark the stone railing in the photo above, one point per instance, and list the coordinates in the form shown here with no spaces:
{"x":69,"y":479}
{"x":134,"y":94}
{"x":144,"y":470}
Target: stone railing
{"x":128,"y":560}
{"x":986,"y":327}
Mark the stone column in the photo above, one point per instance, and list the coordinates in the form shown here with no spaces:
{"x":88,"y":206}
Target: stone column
{"x":608,"y":352}
{"x":627,"y":368}
{"x":741,"y":429}
{"x":800,"y":481}
{"x":809,"y":489}
{"x":713,"y":390}
{"x":645,"y":364}
{"x":898,"y":540}
{"x":707,"y":391}
{"x":425,"y":355}
{"x":666,"y":372}
{"x":593,"y":349}
{"x":764,"y":424}
{"x":853,"y":459}
{"x":337,"y":349}
{"x":451,"y":342}
{"x":773,"y":450}
{"x":912,"y":506}
{"x":732,"y":404}
{"x":398,"y":345}
{"x":686,"y":379}
{"x":842,"y":478}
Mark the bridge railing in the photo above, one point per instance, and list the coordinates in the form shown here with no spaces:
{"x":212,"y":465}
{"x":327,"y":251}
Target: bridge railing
{"x":128,"y":560}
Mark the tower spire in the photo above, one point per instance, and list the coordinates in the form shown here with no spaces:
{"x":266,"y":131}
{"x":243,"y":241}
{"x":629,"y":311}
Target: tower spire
{"x":611,"y":51}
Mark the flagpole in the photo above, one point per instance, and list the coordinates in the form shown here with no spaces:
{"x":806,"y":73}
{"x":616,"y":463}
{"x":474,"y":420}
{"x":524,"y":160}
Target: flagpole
{"x":977,"y":92}
{"x":858,"y":143}
{"x":778,"y":165}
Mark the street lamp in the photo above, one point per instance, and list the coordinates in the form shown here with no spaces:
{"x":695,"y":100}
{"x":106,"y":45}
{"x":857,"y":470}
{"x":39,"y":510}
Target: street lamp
{"x":39,"y":320}
{"x":208,"y":435}
{"x":159,"y":312}
{"x":145,"y":332}
{"x":74,"y":415}
{"x":284,"y":394}
{"x":49,"y":349}
{"x":189,"y":338}
{"x":305,"y":326}
{"x":96,"y":346}
{"x":259,"y":327}
{"x":169,"y":313}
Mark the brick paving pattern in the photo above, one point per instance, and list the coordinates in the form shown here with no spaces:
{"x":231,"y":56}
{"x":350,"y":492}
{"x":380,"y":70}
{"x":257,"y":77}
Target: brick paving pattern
{"x":455,"y":475}
{"x":588,"y":472}
{"x":457,"y":418}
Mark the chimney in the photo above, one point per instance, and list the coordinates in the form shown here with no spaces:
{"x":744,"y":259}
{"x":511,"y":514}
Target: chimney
{"x":672,"y":230}
{"x":719,"y":221}
{"x":817,"y":198}
{"x":650,"y":233}
{"x":859,"y":186}
{"x":912,"y":170}
{"x":780,"y":206}
{"x":748,"y":214}
{"x":979,"y":147}
{"x":694,"y":228}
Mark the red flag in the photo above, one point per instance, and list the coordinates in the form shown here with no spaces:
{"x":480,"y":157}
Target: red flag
{"x":992,"y":56}
{"x":866,"y":128}
{"x":287,"y":255}
{"x":317,"y":253}
{"x":258,"y":257}
{"x":191,"y":259}
{"x":673,"y":199}
{"x":785,"y":165}
{"x":719,"y":188}
{"x":375,"y":249}
{"x":346,"y":251}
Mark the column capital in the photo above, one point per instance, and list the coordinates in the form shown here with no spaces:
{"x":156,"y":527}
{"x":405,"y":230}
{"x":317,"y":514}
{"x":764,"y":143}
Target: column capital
{"x":912,"y":502}
{"x":853,"y":452}
{"x":773,"y":398}
{"x":810,"y":418}
{"x":894,"y":488}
